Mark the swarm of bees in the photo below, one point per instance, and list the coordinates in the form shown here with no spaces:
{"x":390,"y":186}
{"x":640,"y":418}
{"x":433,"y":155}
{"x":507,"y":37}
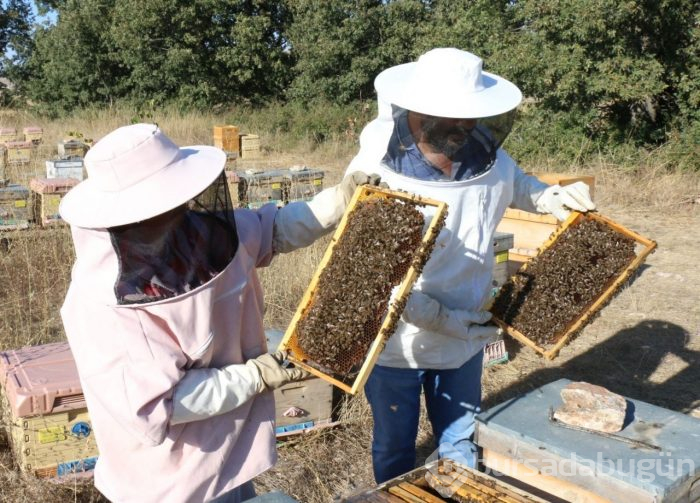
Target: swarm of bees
{"x":542,"y":300}
{"x":379,"y":244}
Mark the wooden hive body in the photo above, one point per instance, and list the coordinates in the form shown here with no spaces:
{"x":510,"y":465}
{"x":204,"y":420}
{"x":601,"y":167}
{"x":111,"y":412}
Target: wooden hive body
{"x":304,"y":183}
{"x":385,"y":327}
{"x":226,"y":138}
{"x":43,"y":405}
{"x":15,"y":207}
{"x":249,"y":146}
{"x":444,"y":481}
{"x":47,"y":195}
{"x":67,"y":167}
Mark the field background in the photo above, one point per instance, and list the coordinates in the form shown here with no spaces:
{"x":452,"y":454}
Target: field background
{"x":645,"y":344}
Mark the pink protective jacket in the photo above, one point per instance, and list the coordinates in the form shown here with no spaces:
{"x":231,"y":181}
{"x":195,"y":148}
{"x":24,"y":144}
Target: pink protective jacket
{"x":130,"y":357}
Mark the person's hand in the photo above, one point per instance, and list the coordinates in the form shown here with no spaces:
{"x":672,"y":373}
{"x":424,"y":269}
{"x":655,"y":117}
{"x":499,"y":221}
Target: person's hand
{"x":427,"y":313}
{"x":559,"y":201}
{"x":272,"y":371}
{"x":346,"y":188}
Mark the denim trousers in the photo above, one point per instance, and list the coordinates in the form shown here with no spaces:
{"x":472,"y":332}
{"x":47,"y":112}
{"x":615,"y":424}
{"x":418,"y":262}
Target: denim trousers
{"x":452,"y":399}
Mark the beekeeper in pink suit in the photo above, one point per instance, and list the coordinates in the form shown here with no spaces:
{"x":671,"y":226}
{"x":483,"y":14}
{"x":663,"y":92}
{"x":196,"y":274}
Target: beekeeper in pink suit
{"x":164,"y":316}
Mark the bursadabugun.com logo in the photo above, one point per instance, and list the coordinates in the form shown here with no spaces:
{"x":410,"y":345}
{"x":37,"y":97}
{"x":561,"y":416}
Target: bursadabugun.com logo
{"x":647,"y":469}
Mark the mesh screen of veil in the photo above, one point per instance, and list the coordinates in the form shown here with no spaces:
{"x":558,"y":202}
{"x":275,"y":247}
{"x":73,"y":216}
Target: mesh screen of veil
{"x":177,"y":251}
{"x":477,"y":152}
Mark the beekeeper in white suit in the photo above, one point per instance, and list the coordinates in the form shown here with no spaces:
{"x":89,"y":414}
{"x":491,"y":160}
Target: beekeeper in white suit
{"x":439,"y":131}
{"x":164,"y":316}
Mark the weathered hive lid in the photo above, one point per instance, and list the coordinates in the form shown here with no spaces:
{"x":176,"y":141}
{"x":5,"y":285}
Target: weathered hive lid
{"x":32,"y":129}
{"x":52,"y":185}
{"x":40,"y":380}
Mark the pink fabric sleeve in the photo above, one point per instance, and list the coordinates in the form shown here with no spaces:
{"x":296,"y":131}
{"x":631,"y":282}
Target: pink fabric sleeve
{"x":255,"y":232}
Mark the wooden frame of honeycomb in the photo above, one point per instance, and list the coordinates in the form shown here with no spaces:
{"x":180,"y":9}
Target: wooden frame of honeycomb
{"x":398,"y":301}
{"x":606,"y":292}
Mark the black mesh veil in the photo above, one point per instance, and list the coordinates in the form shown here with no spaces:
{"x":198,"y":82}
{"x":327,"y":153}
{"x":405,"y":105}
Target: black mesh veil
{"x":177,"y":251}
{"x":477,"y":152}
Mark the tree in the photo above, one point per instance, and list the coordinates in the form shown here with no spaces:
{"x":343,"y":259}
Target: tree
{"x":16,"y":21}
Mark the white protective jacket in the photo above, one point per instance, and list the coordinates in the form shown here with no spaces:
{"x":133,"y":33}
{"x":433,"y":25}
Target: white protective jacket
{"x":459,"y":271}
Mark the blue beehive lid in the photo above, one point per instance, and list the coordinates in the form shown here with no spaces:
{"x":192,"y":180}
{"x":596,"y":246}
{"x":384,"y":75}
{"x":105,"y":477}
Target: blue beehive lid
{"x":669,"y":473}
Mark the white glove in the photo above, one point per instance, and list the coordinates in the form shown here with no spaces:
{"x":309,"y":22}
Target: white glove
{"x":301,"y":223}
{"x":427,"y":313}
{"x":559,"y":200}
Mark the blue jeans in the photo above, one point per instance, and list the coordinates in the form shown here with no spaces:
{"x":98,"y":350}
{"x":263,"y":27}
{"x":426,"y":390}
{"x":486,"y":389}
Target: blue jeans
{"x":452,"y":398}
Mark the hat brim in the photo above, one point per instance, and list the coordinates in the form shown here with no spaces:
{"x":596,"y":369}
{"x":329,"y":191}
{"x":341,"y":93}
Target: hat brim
{"x":498,"y":95}
{"x":192,"y":171}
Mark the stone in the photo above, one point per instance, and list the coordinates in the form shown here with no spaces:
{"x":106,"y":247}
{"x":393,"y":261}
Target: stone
{"x":593,"y":407}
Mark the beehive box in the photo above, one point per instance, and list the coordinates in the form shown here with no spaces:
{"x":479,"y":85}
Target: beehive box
{"x":46,"y":195}
{"x":49,"y":426}
{"x":3,"y":157}
{"x":18,"y":152}
{"x":226,"y":138}
{"x":352,"y":244}
{"x":304,"y":183}
{"x":256,"y":188}
{"x":15,"y":207}
{"x":531,"y":230}
{"x":445,"y":480}
{"x":72,"y":148}
{"x":70,"y":167}
{"x":653,"y":459}
{"x":7,"y":134}
{"x":303,"y":406}
{"x":570,"y":288}
{"x":502,"y":243}
{"x":249,"y":146}
{"x":33,"y":134}
{"x":232,"y":183}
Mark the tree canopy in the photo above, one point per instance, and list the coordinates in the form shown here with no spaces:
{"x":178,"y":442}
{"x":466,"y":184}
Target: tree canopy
{"x":618,"y":69}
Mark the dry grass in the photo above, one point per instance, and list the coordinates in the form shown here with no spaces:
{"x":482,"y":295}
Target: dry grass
{"x":645,"y":344}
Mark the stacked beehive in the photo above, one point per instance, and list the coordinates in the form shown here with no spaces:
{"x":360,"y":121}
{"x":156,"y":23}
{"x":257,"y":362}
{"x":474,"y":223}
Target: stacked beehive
{"x":48,"y":422}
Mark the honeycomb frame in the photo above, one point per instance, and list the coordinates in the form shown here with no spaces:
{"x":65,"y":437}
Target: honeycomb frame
{"x":395,"y":307}
{"x":607,"y":291}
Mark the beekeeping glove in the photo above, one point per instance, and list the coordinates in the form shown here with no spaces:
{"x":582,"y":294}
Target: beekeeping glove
{"x":559,"y":200}
{"x":272,"y":372}
{"x":207,"y":392}
{"x":427,"y":313}
{"x":301,"y":223}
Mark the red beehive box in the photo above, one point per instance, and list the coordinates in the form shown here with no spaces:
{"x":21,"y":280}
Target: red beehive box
{"x":18,"y":152}
{"x":47,"y":194}
{"x":45,"y":412}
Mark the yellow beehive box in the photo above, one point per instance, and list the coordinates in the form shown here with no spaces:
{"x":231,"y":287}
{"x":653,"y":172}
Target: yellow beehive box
{"x":45,"y":411}
{"x":7,"y":134}
{"x":226,"y":138}
{"x":587,"y":300}
{"x":18,"y":152}
{"x":33,"y":134}
{"x":356,"y":357}
{"x":249,"y":146}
